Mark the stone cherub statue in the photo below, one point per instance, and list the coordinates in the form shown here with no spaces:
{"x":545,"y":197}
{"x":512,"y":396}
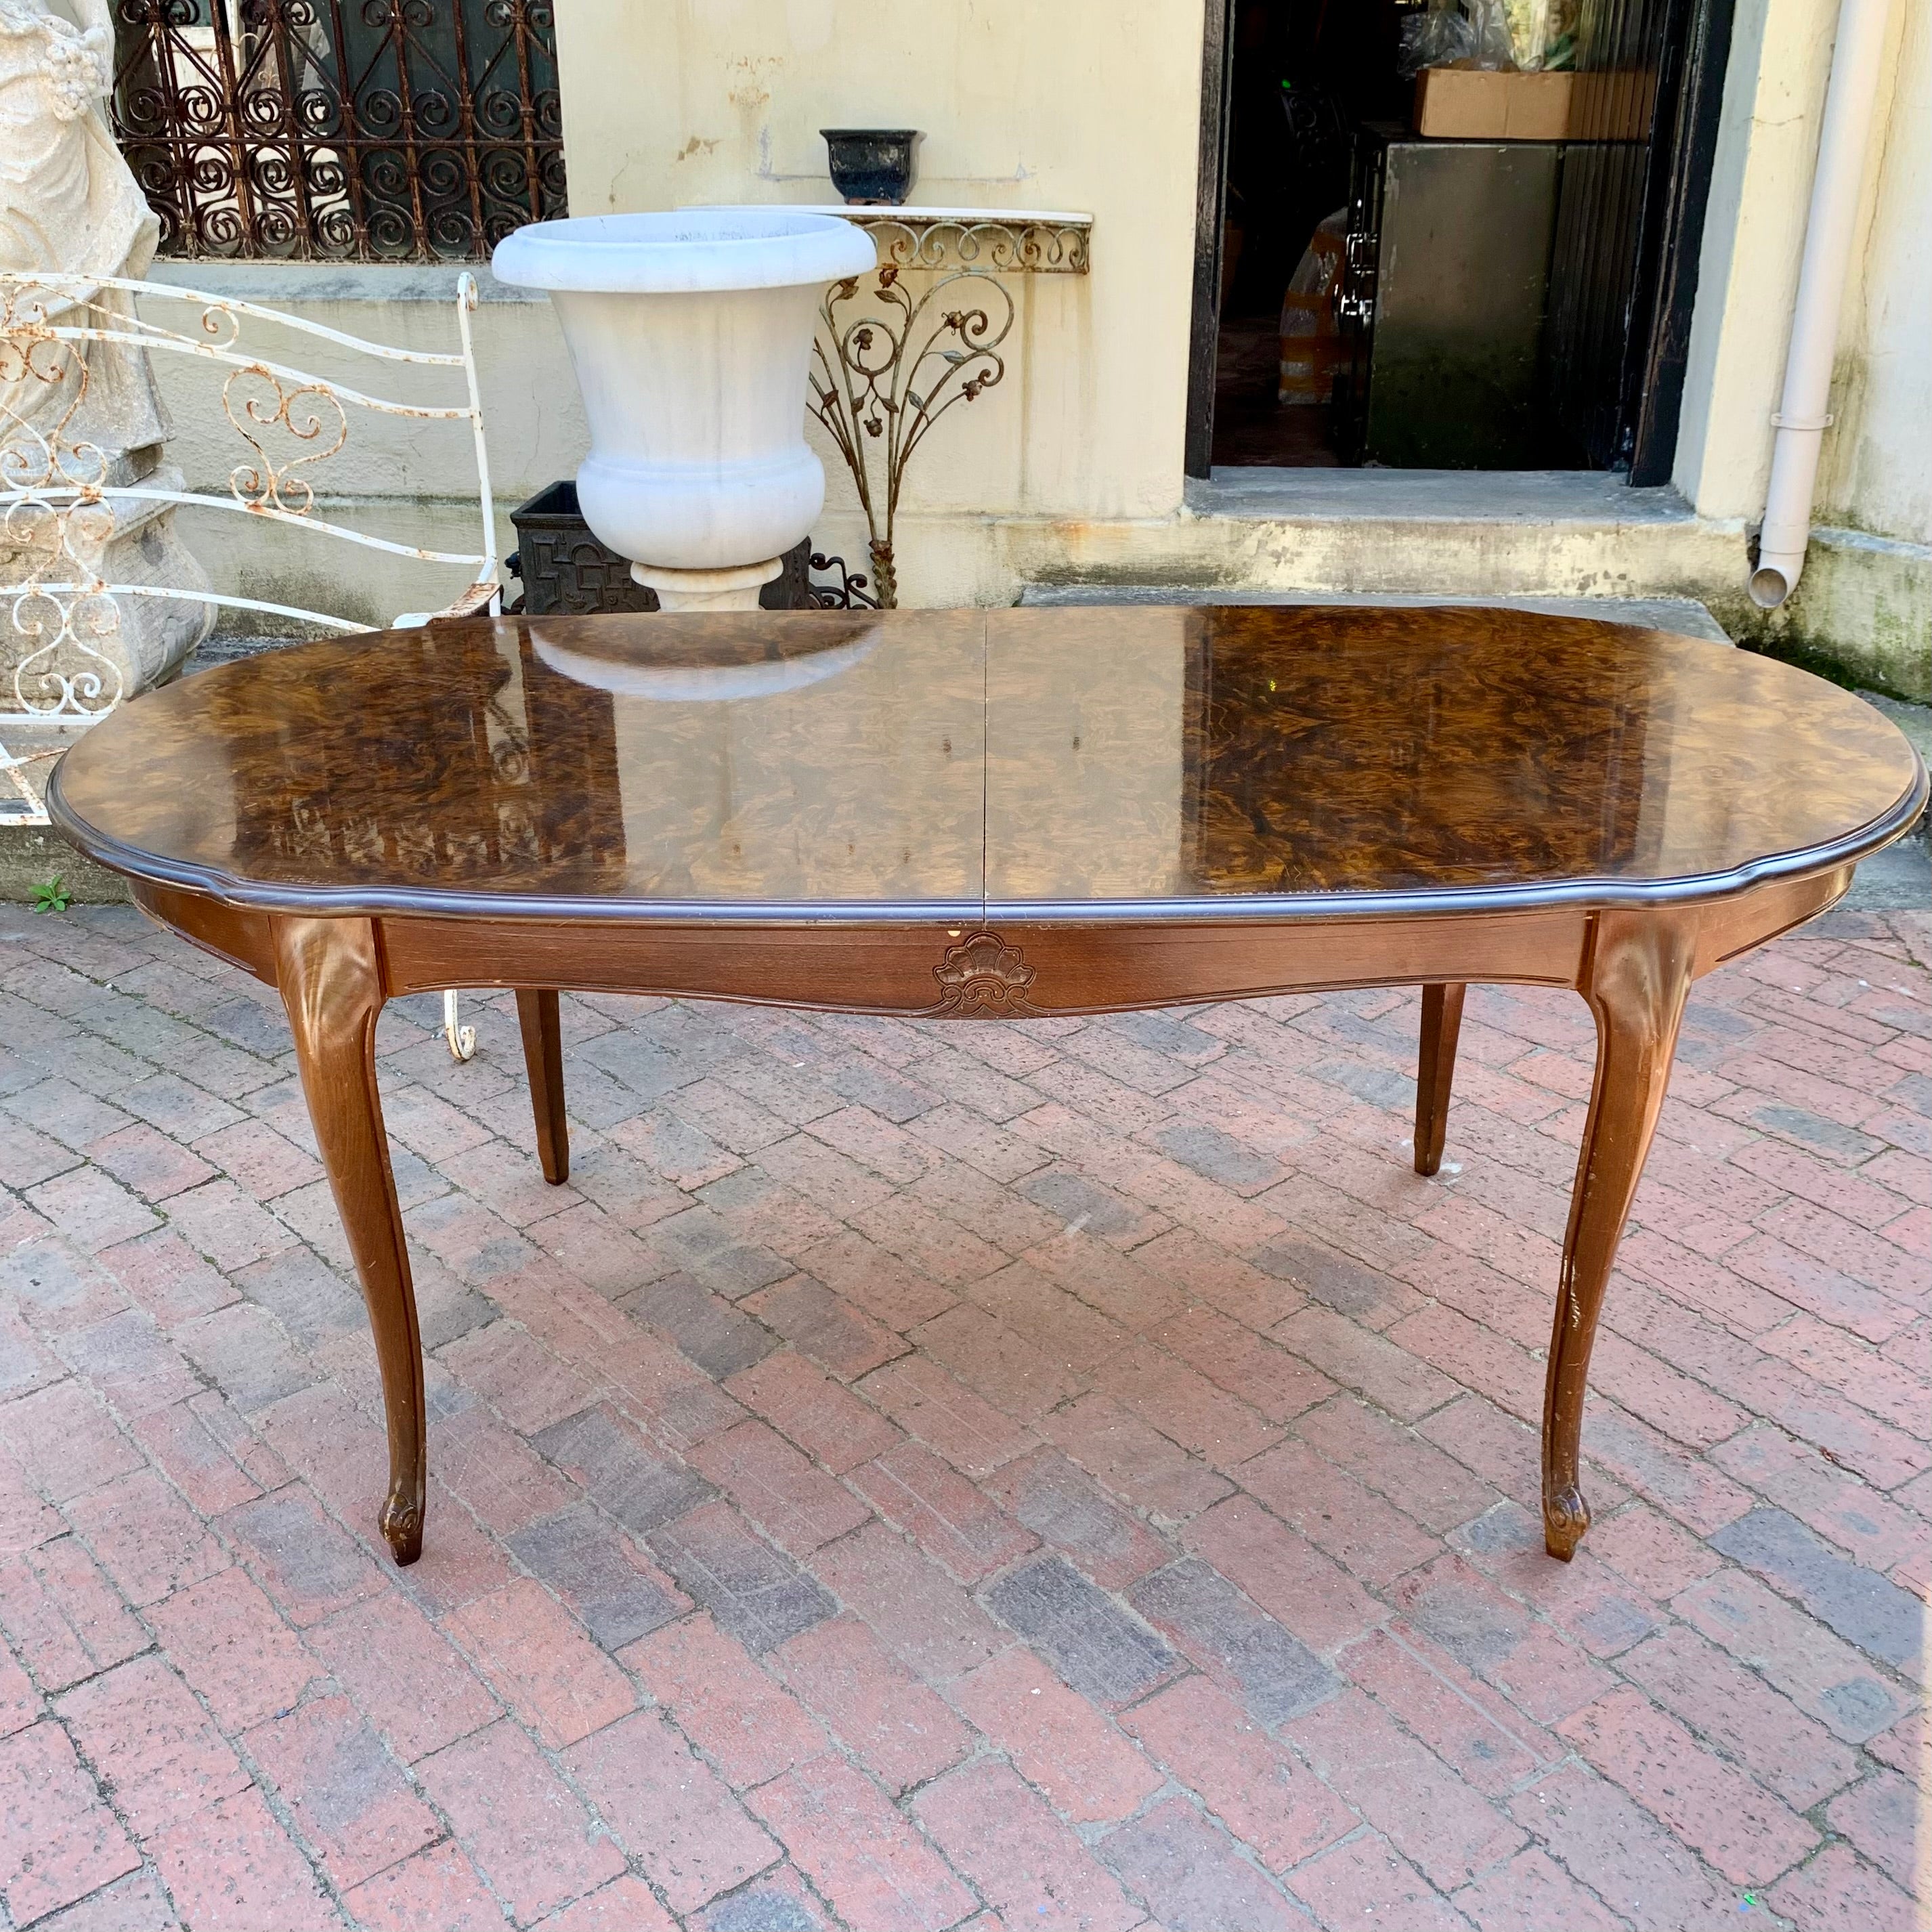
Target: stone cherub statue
{"x":69,"y":204}
{"x":83,"y":414}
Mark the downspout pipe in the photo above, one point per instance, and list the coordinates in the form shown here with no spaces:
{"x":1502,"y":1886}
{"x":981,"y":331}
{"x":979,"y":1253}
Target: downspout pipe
{"x":1802,"y":416}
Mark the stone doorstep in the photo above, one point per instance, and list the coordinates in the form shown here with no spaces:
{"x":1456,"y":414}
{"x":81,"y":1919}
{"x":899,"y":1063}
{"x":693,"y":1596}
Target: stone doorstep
{"x":1685,"y":615}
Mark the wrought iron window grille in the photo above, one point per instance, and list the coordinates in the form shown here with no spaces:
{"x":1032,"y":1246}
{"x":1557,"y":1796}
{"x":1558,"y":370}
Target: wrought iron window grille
{"x":372,"y":130}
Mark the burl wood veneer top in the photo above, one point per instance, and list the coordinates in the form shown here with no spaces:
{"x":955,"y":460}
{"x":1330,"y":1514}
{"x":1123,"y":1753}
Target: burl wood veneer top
{"x":1099,"y":761}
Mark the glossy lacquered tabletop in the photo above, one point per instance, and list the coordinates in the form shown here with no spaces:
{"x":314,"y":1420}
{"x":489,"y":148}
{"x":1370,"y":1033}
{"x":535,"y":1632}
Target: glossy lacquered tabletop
{"x":1101,"y":762}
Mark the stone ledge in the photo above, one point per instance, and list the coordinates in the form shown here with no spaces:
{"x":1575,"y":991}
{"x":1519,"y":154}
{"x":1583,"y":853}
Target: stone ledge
{"x":30,"y":855}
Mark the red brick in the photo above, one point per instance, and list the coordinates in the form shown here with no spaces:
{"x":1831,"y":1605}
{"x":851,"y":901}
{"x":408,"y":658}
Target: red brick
{"x":949,"y":1518}
{"x":1138,"y":1463}
{"x":1837,"y":1891}
{"x":198,"y":1462}
{"x":1414,"y":1475}
{"x":792,"y":1500}
{"x":920,"y":1614}
{"x":517,"y":1376}
{"x":92,"y":1211}
{"x":681,"y":1824}
{"x":1389,"y":1376}
{"x":1793,"y":1171}
{"x":902,"y":1732}
{"x":1010,"y":1371}
{"x":1533,"y":1893}
{"x":226,"y":1638}
{"x":1466,"y":1724}
{"x":1237,"y":1288}
{"x":1023,"y":1860}
{"x":1404,"y":1790}
{"x":19,"y":1702}
{"x":64,"y":1617}
{"x":1057,"y":1741}
{"x":524,"y":1828}
{"x":1365,"y":1883}
{"x":145,"y":1735}
{"x":1745,"y":1831}
{"x":1044,"y":1493}
{"x":626,"y":1904}
{"x":1650,"y":1551}
{"x":1880,"y":1816}
{"x":1681,"y":1484}
{"x":58,"y":1842}
{"x":167,"y":1278}
{"x":1192,"y":1874}
{"x":150,"y":1163}
{"x":779,"y":1897}
{"x":878,"y":1281}
{"x":536,"y":1657}
{"x":232,"y":1868}
{"x":945,"y":1415}
{"x":1185,"y":1406}
{"x":1824,"y":1676}
{"x":66,"y":1441}
{"x":144,"y":1537}
{"x":437,"y":1888}
{"x":134,"y":1903}
{"x":718,"y":1694}
{"x":1630,"y":1862}
{"x":346,"y":1797}
{"x":1266,"y":1378}
{"x":1905,"y":1748}
{"x":873,"y":1868}
{"x":260,"y":1159}
{"x":1741,"y":1715}
{"x":1264,"y":1795}
{"x":839,"y":1337}
{"x":303,"y":1560}
{"x":1285,"y":1573}
{"x":1335,"y":1512}
{"x":409,"y":1682}
{"x":1858,"y":1371}
{"x":1541,"y":1672}
{"x":828,"y":1422}
{"x":494,"y":1471}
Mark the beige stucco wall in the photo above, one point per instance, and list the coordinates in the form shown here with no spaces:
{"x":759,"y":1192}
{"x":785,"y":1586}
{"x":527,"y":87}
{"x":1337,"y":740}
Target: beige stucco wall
{"x":1086,"y":106}
{"x":1866,"y":596}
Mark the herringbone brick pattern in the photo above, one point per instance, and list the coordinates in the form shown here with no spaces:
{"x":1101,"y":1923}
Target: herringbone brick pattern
{"x":1071,"y":1474}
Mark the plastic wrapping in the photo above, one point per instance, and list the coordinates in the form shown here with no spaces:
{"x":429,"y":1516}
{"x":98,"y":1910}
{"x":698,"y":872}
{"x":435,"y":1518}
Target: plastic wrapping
{"x":1311,"y":344}
{"x":1501,"y":35}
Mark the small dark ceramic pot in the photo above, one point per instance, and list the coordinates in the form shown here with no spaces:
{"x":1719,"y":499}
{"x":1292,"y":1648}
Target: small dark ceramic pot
{"x":871,"y":166}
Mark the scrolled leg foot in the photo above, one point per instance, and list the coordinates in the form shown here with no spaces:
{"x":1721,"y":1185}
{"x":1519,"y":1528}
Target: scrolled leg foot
{"x":402,"y":1523}
{"x":1566,"y":1517}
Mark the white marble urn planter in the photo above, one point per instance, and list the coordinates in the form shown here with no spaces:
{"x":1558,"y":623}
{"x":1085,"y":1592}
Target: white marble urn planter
{"x":692,"y":337}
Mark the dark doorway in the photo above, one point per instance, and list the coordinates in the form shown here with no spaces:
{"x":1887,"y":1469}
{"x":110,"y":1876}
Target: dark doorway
{"x":1384,"y":280}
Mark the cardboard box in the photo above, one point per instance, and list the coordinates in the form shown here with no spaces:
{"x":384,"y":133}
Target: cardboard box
{"x":1476,"y":104}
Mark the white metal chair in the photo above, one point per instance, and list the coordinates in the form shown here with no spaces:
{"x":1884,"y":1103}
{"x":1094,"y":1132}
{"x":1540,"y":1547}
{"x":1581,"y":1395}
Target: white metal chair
{"x":61,"y":505}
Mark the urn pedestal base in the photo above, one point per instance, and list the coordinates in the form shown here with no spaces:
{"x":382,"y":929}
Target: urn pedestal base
{"x":735,"y":589}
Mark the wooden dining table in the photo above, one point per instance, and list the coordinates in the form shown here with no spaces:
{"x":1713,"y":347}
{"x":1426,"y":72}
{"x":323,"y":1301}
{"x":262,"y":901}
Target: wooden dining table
{"x":991,"y":815}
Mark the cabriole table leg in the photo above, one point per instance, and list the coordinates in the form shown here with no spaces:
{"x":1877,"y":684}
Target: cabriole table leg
{"x":1636,"y":981}
{"x":1436,"y":1071}
{"x":331,"y":981}
{"x":543,"y":1057}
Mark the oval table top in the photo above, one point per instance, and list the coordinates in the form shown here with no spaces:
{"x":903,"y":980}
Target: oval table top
{"x":1093,"y":763}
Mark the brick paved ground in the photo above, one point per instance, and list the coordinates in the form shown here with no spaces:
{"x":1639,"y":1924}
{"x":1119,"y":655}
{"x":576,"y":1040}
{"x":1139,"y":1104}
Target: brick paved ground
{"x":1069,"y":1475}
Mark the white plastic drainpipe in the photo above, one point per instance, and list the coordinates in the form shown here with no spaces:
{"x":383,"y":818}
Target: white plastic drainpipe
{"x":1801,"y":419}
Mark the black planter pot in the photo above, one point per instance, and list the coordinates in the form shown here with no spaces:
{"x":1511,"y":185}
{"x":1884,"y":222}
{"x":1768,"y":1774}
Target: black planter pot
{"x":565,"y":569}
{"x":871,"y":166}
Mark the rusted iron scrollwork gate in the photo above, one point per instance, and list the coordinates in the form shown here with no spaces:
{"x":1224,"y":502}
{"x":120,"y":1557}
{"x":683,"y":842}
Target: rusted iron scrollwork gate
{"x":372,"y":130}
